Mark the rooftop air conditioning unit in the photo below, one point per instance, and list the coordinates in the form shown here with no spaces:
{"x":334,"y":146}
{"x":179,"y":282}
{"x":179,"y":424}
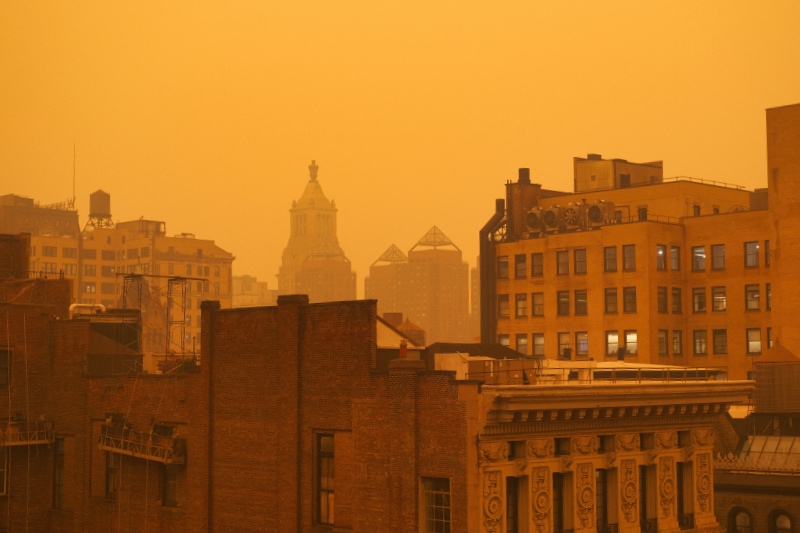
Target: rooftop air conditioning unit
{"x":575,"y":216}
{"x":533,"y":220}
{"x":600,"y":213}
{"x":553,"y":218}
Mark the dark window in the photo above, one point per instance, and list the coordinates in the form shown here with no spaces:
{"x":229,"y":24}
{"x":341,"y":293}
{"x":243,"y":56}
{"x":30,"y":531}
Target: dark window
{"x":107,"y":255}
{"x":581,"y":305}
{"x":512,"y":504}
{"x":663,"y":306}
{"x":642,"y":214}
{"x":663,"y":344}
{"x":562,"y":262}
{"x":629,"y":257}
{"x":754,"y":340}
{"x":675,"y":258}
{"x":766,"y":253}
{"x":3,"y":471}
{"x":739,"y":521}
{"x":698,"y":258}
{"x":751,"y":254}
{"x":611,"y":301}
{"x":502,"y":306}
{"x":661,"y":256}
{"x":108,"y":271}
{"x":696,"y":210}
{"x":563,"y":303}
{"x":629,"y":299}
{"x":610,"y":258}
{"x":538,"y":344}
{"x":5,"y":368}
{"x":717,"y":256}
{"x":699,"y":300}
{"x":325,"y":479}
{"x":521,"y":307}
{"x":769,"y":296}
{"x":752,"y":297}
{"x":677,"y":304}
{"x":677,"y":342}
{"x":582,"y":344}
{"x":537,"y":265}
{"x":502,"y":267}
{"x":537,"y":304}
{"x":520,"y":266}
{"x":580,"y":261}
{"x":436,"y":501}
{"x":558,"y":501}
{"x":112,"y":475}
{"x":601,"y":484}
{"x":700,"y":342}
{"x":169,"y":486}
{"x":769,"y":338}
{"x":71,"y":253}
{"x":564,"y":348}
{"x":612,"y":343}
{"x":49,"y":251}
{"x":720,"y":341}
{"x":719,"y":300}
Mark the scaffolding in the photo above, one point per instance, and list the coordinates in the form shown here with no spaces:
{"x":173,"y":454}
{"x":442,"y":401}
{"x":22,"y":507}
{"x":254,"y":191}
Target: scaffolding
{"x":19,"y":433}
{"x":143,"y":445}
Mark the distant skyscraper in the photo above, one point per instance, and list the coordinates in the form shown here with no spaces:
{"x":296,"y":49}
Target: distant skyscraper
{"x":430,"y":286}
{"x":313,"y":263}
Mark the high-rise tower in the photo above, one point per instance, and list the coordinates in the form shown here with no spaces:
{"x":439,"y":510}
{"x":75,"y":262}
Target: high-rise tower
{"x":313,"y":263}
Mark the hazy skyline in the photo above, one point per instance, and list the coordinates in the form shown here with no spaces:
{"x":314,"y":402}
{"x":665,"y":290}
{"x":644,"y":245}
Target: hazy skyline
{"x":207,"y":116}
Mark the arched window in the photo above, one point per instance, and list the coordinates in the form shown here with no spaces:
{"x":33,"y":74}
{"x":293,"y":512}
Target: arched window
{"x":740,"y":521}
{"x":781,"y":523}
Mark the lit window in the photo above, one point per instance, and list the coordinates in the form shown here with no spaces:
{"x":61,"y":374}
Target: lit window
{"x":582,"y":344}
{"x":612,"y":343}
{"x":783,"y":524}
{"x":522,"y":343}
{"x":700,"y":342}
{"x":698,"y":258}
{"x":503,"y":339}
{"x":754,"y":340}
{"x":752,"y":298}
{"x":538,"y":344}
{"x":699,"y":300}
{"x":661,"y":257}
{"x":564,"y":349}
{"x":719,"y":301}
{"x":751,"y":254}
{"x":631,"y":342}
{"x":521,"y":307}
{"x":436,"y":501}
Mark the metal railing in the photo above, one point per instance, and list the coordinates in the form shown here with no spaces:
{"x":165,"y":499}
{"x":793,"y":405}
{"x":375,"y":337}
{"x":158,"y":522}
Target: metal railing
{"x":526,"y":373}
{"x":144,"y":445}
{"x":21,"y":434}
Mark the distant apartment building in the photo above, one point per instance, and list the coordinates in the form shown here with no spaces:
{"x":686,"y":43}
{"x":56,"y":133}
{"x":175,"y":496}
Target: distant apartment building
{"x":430,"y":286}
{"x":128,"y":264}
{"x":249,"y":292}
{"x":631,"y":266}
{"x":313,"y":263}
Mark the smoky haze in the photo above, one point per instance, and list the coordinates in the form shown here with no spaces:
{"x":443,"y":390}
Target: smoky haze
{"x":207,"y":115}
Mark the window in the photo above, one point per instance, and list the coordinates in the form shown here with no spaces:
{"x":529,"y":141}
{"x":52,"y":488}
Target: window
{"x":564,"y":349}
{"x":522,"y":343}
{"x":112,"y":475}
{"x":521,"y":307}
{"x":171,"y":268}
{"x":754,"y":340}
{"x":717,"y":256}
{"x":663,"y":346}
{"x":700,"y":342}
{"x":739,"y":521}
{"x":612,"y":343}
{"x":145,"y":252}
{"x":325,"y":479}
{"x":502,"y":305}
{"x":769,"y":296}
{"x":611,"y":301}
{"x":49,"y":268}
{"x":537,"y":265}
{"x":751,"y":254}
{"x":33,"y":251}
{"x":107,"y":288}
{"x":720,"y":341}
{"x":88,"y":253}
{"x":661,"y":257}
{"x":677,"y":305}
{"x":752,"y":298}
{"x":538,"y":344}
{"x":89,"y":287}
{"x":5,"y":367}
{"x":642,"y":214}
{"x":70,"y":269}
{"x":189,"y":269}
{"x":58,"y":473}
{"x":677,"y":342}
{"x":49,"y":251}
{"x":582,"y":344}
{"x":610,"y":258}
{"x":70,"y":253}
{"x":699,"y":300}
{"x":537,"y":304}
{"x":107,"y":255}
{"x":436,"y":501}
{"x":89,"y":270}
{"x":781,"y":523}
{"x":675,"y":258}
{"x":696,"y":210}
{"x":107,"y":271}
{"x":562,"y":262}
{"x":766,"y":253}
{"x":629,"y":299}
{"x":133,"y":253}
{"x":662,"y":300}
{"x":581,"y":306}
{"x":216,"y":270}
{"x":3,"y":471}
{"x":580,"y":261}
{"x":769,"y":338}
{"x":502,"y":267}
{"x":629,"y":257}
{"x":169,"y":486}
{"x":563,"y":303}
{"x":503,"y":339}
{"x":631,"y":342}
{"x":719,"y":301}
{"x":698,"y":258}
{"x":520,"y":266}
{"x":601,"y":482}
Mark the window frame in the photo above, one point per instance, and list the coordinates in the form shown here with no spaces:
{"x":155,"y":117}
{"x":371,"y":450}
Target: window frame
{"x":677,"y":342}
{"x":629,"y":257}
{"x":661,"y":299}
{"x":502,"y":267}
{"x":716,"y":291}
{"x":521,"y":337}
{"x":717,"y":257}
{"x":629,"y":299}
{"x":537,"y":308}
{"x":751,"y":253}
{"x":581,"y":302}
{"x":611,"y":301}
{"x":610,"y":259}
{"x":699,"y":302}
{"x":562,"y":303}
{"x":535,"y":338}
{"x":663,"y":342}
{"x":635,"y":335}
{"x":503,"y":310}
{"x":564,"y":346}
{"x":677,"y":301}
{"x":749,"y":342}
{"x":537,"y":264}
{"x":675,"y":258}
{"x":609,"y":343}
{"x":521,"y":305}
{"x":520,"y":266}
{"x":325,"y":509}
{"x":436,"y":504}
{"x":719,"y":339}
{"x":562,"y":262}
{"x":579,"y":261}
{"x":700,"y":342}
{"x":699,"y":258}
{"x":752,"y":297}
{"x":661,"y":256}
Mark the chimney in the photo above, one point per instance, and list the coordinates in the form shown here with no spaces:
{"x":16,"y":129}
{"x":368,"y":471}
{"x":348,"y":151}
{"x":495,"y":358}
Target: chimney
{"x":524,"y":175}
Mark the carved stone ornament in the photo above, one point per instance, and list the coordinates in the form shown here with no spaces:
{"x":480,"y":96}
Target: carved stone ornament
{"x":585,"y":478}
{"x":542,"y":501}
{"x":584,"y":445}
{"x":703,"y":468}
{"x":665,"y":440}
{"x":628,"y":441}
{"x":494,"y":452}
{"x":493,"y":504}
{"x":703,"y":437}
{"x":541,"y":448}
{"x":666,"y":472}
{"x":629,"y":489}
{"x":520,"y":465}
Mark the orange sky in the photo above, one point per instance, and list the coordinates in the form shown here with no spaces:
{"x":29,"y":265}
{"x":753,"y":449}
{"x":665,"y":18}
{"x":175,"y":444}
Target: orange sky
{"x":207,"y":114}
